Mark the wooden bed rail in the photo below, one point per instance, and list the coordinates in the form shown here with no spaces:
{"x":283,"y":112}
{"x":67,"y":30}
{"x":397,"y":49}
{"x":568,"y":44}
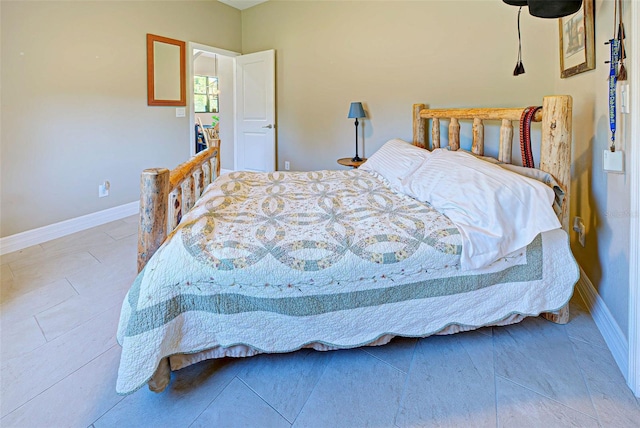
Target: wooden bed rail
{"x":166,"y":195}
{"x":555,"y":147}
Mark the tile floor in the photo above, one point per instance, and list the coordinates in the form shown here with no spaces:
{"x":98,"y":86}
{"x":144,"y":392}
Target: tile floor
{"x":59,"y":361}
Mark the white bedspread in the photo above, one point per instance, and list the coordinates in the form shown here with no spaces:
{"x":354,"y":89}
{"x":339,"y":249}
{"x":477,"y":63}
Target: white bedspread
{"x":233,"y":274}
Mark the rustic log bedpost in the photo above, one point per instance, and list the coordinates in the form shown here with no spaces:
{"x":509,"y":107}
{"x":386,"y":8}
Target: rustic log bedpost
{"x":419,"y":127}
{"x":555,"y":149}
{"x":454,"y":134}
{"x":154,"y":195}
{"x":477,"y":146}
{"x":506,"y":141}
{"x":165,"y":196}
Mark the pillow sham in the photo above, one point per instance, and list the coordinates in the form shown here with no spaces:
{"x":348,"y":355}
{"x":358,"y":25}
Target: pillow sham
{"x":535,"y":173}
{"x":495,"y":210}
{"x":395,"y":160}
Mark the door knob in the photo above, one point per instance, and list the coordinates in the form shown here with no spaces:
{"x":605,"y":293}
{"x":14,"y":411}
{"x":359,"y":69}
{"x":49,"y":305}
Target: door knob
{"x":269,"y":126}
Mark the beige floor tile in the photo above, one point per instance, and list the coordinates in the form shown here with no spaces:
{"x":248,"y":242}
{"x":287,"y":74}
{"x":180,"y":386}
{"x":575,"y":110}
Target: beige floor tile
{"x":121,"y":252}
{"x":285,"y":381}
{"x":456,"y":374}
{"x":51,"y":269}
{"x":19,"y":306}
{"x":581,"y":325}
{"x":5,"y":273}
{"x":77,"y":242}
{"x":19,"y":338}
{"x":75,"y":311}
{"x":538,"y":355}
{"x":192,"y":389}
{"x":520,"y":407}
{"x":398,"y":352}
{"x":121,"y":229}
{"x":614,"y":402}
{"x":25,"y":377}
{"x":355,"y":390}
{"x":75,"y":401}
{"x":238,"y":406}
{"x":103,"y":279}
{"x":132,"y":219}
{"x":24,"y":254}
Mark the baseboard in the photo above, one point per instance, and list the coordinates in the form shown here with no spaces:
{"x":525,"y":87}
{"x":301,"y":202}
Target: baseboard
{"x":26,"y":239}
{"x":224,"y":171}
{"x":609,"y":328}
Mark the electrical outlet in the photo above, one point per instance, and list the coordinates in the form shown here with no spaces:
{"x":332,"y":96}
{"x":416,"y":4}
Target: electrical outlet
{"x":287,"y":166}
{"x":578,"y":226}
{"x":103,"y":189}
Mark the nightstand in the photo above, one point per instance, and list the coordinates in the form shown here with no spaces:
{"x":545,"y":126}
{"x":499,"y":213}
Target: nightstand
{"x":351,"y":163}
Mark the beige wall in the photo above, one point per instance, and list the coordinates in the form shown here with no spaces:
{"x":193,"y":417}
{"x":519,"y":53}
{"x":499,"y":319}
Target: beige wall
{"x":390,"y":55}
{"x":446,"y":53}
{"x":74,"y":107}
{"x":601,"y":199}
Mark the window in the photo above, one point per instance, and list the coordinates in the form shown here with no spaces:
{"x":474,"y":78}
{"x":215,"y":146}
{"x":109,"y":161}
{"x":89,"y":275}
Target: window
{"x":205,"y":94}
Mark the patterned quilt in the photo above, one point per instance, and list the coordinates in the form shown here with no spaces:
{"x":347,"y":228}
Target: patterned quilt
{"x":279,"y":260}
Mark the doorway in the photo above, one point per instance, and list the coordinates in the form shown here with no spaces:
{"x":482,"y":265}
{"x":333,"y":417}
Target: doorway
{"x":216,"y":106}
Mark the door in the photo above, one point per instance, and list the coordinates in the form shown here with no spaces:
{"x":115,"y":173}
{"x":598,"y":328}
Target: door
{"x":255,"y":148}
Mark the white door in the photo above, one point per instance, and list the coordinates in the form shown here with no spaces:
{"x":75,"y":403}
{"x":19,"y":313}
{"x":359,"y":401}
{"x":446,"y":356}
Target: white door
{"x":255,"y":148}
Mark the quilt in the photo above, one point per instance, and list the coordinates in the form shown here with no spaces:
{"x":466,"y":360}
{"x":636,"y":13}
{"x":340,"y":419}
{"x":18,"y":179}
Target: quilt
{"x":276,"y":261}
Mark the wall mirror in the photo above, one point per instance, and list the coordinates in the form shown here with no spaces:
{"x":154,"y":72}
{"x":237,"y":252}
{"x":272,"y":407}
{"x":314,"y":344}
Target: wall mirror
{"x":166,"y":72}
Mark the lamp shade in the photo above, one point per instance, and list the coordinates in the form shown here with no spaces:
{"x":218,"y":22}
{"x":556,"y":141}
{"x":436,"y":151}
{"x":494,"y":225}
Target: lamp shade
{"x":356,"y":111}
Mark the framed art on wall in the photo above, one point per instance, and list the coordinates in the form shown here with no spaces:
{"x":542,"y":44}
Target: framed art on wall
{"x":577,"y":39}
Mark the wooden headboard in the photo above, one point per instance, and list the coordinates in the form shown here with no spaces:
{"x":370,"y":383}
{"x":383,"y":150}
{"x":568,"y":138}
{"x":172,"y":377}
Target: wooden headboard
{"x":555,"y":147}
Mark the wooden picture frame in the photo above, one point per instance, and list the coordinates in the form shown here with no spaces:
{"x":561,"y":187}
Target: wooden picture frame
{"x":577,"y":40}
{"x":166,"y":71}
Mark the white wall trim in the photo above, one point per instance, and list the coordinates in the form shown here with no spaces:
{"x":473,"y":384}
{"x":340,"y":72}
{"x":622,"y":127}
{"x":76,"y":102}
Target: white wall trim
{"x":633,"y":377}
{"x":31,"y":237}
{"x":605,"y":322}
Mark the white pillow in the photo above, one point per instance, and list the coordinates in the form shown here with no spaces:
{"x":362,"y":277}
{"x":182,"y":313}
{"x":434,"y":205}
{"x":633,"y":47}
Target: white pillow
{"x":395,"y":160}
{"x":496,"y":211}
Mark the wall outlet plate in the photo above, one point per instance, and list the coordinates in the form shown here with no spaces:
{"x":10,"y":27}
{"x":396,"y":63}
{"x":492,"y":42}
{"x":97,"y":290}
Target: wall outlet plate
{"x":103,"y":189}
{"x":613,"y":161}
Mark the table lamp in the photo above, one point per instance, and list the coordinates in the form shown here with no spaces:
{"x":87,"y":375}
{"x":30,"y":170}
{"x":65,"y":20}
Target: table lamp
{"x":356,"y":112}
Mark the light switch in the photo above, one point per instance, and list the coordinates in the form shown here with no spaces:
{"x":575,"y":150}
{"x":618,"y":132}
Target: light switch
{"x":624,"y":98}
{"x":613,"y":161}
{"x":181,"y":112}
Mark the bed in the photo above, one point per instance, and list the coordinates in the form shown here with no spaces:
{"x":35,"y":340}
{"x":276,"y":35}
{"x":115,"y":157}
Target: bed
{"x":248,"y":263}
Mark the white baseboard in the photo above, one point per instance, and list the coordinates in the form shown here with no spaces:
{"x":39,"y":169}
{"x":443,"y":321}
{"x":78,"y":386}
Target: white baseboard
{"x":31,"y":237}
{"x":224,"y":171}
{"x":609,"y":328}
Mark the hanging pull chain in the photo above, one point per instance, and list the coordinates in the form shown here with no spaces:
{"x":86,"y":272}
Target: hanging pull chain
{"x":519,"y":67}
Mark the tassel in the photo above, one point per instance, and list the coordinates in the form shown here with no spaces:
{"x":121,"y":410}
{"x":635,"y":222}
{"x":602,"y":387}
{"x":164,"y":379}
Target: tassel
{"x":519,"y":67}
{"x":622,"y":73}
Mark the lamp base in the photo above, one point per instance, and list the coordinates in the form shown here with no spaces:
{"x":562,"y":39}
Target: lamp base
{"x":356,"y":159}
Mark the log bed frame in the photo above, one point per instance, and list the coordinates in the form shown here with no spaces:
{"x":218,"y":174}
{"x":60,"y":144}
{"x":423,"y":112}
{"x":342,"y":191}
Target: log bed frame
{"x":167,"y":195}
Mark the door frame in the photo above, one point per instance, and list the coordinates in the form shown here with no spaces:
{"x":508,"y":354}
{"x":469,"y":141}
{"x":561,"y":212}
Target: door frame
{"x":633,"y":375}
{"x":192,"y":115}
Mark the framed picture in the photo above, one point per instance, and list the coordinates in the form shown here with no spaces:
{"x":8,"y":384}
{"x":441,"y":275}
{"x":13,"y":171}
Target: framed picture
{"x":577,"y":40}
